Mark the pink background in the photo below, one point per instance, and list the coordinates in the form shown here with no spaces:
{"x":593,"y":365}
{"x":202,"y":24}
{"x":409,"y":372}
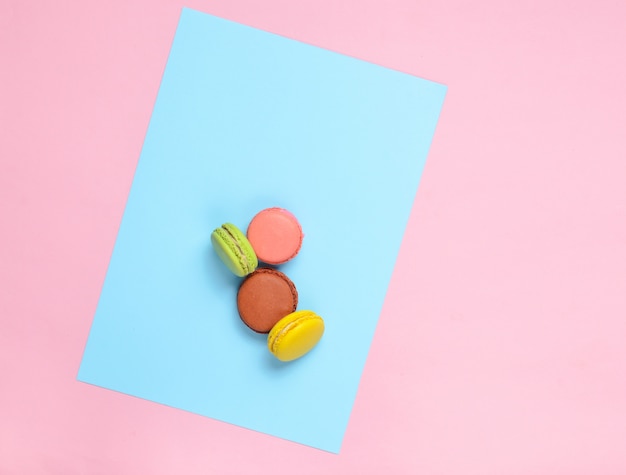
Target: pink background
{"x":500,"y":349}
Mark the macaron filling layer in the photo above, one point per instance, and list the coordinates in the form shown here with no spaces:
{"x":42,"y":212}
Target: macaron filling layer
{"x":239,"y":251}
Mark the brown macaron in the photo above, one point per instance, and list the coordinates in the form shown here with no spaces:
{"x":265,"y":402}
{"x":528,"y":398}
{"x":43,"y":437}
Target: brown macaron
{"x":266,"y":296}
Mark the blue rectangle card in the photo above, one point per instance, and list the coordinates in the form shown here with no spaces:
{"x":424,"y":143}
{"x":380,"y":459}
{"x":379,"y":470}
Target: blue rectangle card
{"x":246,"y":120}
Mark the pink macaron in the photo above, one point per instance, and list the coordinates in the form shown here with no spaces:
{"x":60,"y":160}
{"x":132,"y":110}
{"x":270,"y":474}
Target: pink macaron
{"x":276,"y":235}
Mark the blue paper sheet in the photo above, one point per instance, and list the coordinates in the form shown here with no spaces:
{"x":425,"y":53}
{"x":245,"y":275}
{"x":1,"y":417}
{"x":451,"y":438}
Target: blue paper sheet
{"x":246,"y":120}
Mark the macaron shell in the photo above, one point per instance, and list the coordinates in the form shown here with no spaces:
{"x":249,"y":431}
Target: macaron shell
{"x":234,"y":250}
{"x":295,"y":335}
{"x":266,"y":296}
{"x":275,"y":235}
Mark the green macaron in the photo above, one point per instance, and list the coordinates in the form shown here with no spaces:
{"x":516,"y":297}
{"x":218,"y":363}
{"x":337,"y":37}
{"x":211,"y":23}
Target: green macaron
{"x":234,"y":249}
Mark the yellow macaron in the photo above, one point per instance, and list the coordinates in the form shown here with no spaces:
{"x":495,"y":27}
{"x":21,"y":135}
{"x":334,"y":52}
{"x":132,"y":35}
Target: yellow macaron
{"x":295,"y":335}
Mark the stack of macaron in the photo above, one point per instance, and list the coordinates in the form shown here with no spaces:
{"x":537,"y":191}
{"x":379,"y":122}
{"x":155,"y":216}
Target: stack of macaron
{"x":267,"y":299}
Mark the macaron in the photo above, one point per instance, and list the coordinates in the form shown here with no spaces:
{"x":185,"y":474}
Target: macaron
{"x":275,"y":235}
{"x":264,"y":297}
{"x":295,"y":335}
{"x":234,"y":249}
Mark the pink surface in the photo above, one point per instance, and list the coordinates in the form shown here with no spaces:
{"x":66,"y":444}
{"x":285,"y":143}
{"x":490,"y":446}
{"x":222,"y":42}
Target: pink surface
{"x":500,"y":349}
